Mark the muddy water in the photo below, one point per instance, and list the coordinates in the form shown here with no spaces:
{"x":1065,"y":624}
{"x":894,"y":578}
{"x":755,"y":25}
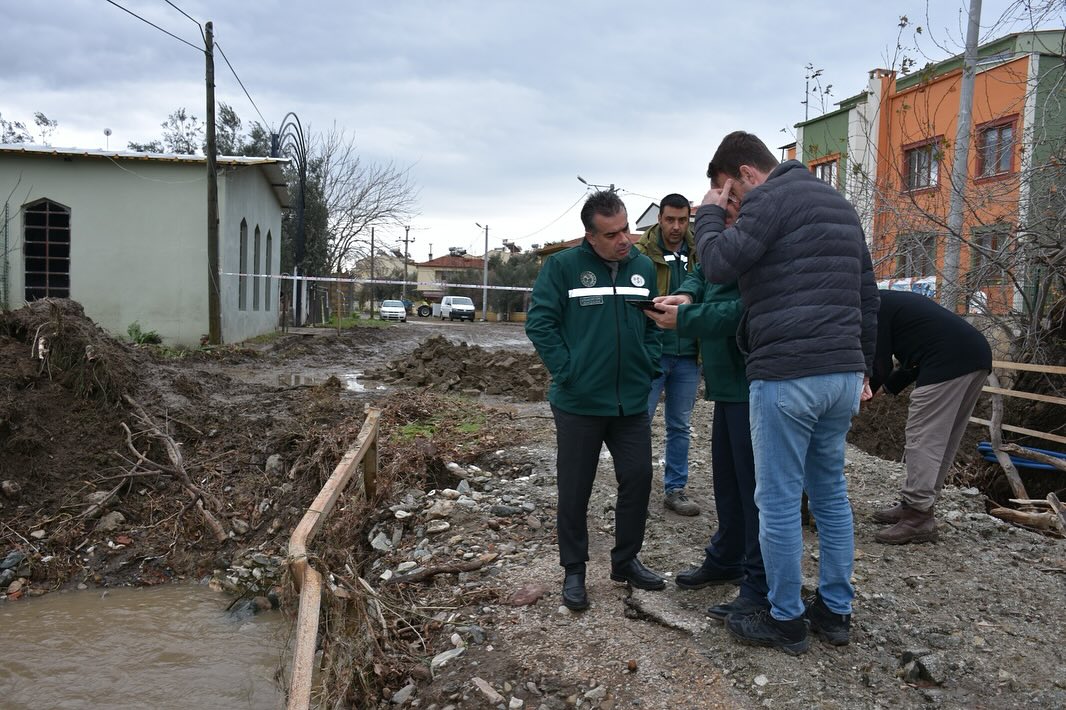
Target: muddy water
{"x":161,"y":647}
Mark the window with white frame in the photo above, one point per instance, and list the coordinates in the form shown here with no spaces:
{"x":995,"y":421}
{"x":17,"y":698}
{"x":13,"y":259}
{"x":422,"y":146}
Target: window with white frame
{"x":922,"y":165}
{"x":995,"y":149}
{"x":826,"y":172}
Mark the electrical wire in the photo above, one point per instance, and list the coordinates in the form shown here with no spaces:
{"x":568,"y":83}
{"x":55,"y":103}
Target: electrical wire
{"x":131,"y":12}
{"x":151,"y":179}
{"x":234,"y":72}
{"x":533,"y":234}
{"x":194,"y":20}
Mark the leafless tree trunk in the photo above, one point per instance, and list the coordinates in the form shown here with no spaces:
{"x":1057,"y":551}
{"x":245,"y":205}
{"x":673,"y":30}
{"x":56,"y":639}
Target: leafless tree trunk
{"x":359,"y":194}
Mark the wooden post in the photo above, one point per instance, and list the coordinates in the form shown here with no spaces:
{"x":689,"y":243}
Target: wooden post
{"x":214,"y":300}
{"x":995,"y":432}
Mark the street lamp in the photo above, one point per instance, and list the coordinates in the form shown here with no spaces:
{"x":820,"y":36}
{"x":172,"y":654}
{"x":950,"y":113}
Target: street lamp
{"x":289,"y":141}
{"x":485,"y":276}
{"x":610,"y":187}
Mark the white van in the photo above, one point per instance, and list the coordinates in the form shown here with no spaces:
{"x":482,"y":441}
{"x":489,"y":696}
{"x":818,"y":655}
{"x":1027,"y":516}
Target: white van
{"x":461,"y":307}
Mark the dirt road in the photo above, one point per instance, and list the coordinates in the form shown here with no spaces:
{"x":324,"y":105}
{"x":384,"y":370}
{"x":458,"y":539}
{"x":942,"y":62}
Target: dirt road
{"x":974,"y":621}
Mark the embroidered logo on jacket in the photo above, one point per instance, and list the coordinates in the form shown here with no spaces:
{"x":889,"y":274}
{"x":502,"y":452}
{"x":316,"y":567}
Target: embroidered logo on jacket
{"x":588,"y":279}
{"x":636,"y":280}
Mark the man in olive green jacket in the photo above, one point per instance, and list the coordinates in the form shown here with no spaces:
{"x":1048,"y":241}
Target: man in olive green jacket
{"x":602,"y":355}
{"x":672,"y":248}
{"x":712,"y":312}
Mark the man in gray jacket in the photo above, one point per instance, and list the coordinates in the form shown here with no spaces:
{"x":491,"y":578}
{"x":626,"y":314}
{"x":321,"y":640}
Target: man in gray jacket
{"x":799,"y":256}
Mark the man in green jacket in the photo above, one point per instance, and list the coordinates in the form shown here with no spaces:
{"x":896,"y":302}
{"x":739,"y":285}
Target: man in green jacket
{"x":602,"y":355}
{"x":672,"y":248}
{"x":713,"y":312}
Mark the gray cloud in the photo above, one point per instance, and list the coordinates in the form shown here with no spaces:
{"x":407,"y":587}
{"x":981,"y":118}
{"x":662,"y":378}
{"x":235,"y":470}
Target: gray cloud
{"x":497,"y":106}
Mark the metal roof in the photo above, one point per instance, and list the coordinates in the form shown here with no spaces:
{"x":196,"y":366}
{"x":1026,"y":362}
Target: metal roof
{"x":271,"y":167}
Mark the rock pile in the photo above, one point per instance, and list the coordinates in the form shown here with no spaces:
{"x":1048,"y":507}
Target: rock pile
{"x":449,"y":367}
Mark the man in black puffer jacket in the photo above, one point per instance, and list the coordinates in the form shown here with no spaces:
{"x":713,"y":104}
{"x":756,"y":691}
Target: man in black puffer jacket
{"x":799,"y":256}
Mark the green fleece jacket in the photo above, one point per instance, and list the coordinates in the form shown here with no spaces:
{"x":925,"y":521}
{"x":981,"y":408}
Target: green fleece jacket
{"x":602,"y":354}
{"x":713,"y":317}
{"x":670,"y":273}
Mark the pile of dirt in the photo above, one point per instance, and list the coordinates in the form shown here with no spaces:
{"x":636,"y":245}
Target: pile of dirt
{"x":120,"y":466}
{"x":448,"y":367}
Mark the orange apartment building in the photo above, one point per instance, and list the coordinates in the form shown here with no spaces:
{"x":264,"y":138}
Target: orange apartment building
{"x":891,"y":149}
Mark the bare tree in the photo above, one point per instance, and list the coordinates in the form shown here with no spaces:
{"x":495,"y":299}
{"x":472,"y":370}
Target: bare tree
{"x":358,"y":194}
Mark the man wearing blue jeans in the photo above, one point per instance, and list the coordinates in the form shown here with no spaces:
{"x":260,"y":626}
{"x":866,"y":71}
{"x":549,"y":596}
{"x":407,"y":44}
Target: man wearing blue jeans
{"x":672,"y":248}
{"x":799,"y":256}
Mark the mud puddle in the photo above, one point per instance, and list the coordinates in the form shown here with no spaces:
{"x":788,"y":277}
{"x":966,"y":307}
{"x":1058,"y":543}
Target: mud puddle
{"x":171,"y":646}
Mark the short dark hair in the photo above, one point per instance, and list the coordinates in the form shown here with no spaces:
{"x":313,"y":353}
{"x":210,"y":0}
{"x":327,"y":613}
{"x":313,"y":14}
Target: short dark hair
{"x":605,"y":203}
{"x":740,"y":148}
{"x":676,"y":201}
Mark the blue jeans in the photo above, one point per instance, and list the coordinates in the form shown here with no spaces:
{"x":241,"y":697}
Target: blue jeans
{"x":798,"y":430}
{"x":680,"y":378}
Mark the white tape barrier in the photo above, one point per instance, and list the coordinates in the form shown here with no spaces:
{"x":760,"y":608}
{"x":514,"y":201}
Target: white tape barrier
{"x":375,"y":282}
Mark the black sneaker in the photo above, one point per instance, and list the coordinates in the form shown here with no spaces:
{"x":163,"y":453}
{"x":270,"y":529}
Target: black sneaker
{"x":833,"y":628}
{"x":758,"y":628}
{"x":740,"y":605}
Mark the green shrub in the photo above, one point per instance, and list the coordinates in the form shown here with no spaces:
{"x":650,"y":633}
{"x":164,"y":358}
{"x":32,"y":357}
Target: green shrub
{"x":143,"y":337}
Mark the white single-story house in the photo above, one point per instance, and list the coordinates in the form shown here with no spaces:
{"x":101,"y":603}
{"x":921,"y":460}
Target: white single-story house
{"x":125,"y":235}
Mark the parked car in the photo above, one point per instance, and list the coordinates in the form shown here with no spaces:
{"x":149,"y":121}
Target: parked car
{"x":392,"y":310}
{"x":461,"y":307}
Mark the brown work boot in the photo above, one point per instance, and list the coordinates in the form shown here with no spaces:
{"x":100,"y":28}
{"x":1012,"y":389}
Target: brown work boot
{"x":914,"y":526}
{"x":889,"y":515}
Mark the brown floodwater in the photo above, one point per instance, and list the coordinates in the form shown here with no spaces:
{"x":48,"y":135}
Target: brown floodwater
{"x":172,"y":646}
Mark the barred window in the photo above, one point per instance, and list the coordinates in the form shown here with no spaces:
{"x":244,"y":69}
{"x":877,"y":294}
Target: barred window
{"x":46,"y":248}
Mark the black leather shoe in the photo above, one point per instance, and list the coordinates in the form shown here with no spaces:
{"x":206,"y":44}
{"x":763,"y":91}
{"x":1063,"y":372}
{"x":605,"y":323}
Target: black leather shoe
{"x":700,"y":577}
{"x":637,"y":575}
{"x":574,"y":596}
{"x":740,"y":605}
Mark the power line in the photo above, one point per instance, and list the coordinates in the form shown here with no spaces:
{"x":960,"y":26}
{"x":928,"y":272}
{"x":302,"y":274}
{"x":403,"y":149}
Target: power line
{"x":219,"y":48}
{"x":198,"y":49}
{"x":565,"y":212}
{"x":194,"y":20}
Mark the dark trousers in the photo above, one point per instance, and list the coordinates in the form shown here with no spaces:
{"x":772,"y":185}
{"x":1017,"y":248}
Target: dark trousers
{"x":578,"y":440}
{"x":735,"y":545}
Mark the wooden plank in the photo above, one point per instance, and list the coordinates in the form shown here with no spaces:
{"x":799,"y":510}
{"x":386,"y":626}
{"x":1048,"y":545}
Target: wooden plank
{"x":995,"y":432}
{"x":1050,"y":369}
{"x":1024,"y":395}
{"x":308,"y":581}
{"x":306,"y":640}
{"x":1060,"y":511}
{"x":1024,"y":452}
{"x":1022,"y":430}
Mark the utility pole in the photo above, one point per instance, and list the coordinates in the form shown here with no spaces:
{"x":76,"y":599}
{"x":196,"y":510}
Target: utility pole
{"x":373,"y":286}
{"x":949,"y":295}
{"x":406,"y":239}
{"x":214,"y":300}
{"x":485,"y":276}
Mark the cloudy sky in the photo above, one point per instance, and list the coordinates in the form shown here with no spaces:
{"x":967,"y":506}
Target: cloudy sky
{"x":496,"y":107}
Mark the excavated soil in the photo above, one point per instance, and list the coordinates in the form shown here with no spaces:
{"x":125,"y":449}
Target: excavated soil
{"x":442,"y":588}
